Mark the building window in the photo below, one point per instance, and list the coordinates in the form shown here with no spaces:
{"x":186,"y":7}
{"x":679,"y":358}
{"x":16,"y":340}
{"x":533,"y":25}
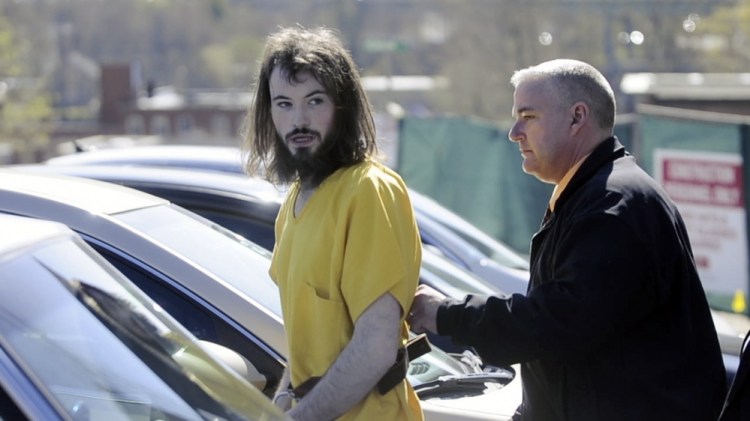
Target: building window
{"x":185,"y":123}
{"x":134,"y":125}
{"x":160,"y":125}
{"x":221,"y":125}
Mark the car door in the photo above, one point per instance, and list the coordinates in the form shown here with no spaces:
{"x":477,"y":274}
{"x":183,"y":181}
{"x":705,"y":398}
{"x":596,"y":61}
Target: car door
{"x":201,"y":318}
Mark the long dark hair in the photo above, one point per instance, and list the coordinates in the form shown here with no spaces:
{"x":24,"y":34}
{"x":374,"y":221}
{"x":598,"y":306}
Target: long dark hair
{"x":320,"y":52}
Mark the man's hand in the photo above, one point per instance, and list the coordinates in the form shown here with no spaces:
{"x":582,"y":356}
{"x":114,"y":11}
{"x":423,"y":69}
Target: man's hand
{"x":423,"y":314}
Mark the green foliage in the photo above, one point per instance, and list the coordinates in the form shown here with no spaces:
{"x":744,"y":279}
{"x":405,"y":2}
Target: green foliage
{"x":232,"y":63}
{"x":9,"y":60}
{"x":723,"y":38}
{"x":218,"y":61}
{"x":25,"y":112}
{"x":24,"y":104}
{"x":727,"y":20}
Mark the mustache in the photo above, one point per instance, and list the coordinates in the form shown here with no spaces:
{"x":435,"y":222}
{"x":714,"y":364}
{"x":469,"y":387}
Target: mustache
{"x":301,"y":131}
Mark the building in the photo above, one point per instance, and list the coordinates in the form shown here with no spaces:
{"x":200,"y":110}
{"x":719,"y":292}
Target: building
{"x":727,"y":93}
{"x":127,"y":108}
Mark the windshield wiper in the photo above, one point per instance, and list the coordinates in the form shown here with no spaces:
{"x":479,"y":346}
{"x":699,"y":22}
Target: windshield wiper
{"x":464,"y":384}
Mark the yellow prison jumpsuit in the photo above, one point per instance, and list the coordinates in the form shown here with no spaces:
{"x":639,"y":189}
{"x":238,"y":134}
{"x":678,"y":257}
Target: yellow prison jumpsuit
{"x":355,"y":239}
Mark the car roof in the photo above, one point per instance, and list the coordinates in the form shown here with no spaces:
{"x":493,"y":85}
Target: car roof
{"x":94,"y":196}
{"x":150,"y":153}
{"x":169,"y":176}
{"x":20,"y":232}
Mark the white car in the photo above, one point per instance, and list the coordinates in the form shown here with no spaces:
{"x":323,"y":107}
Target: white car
{"x":215,"y":283}
{"x":79,"y":341}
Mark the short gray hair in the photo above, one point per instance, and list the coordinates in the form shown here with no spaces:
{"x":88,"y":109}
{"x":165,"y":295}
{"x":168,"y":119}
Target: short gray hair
{"x":574,"y":81}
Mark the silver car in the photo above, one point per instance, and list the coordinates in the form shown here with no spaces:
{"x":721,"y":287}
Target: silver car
{"x":216,"y":284}
{"x":248,"y":206}
{"x":79,"y":341}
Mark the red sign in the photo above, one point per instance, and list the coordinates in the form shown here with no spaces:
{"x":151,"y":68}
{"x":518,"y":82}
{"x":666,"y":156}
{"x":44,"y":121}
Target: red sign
{"x":703,"y":182}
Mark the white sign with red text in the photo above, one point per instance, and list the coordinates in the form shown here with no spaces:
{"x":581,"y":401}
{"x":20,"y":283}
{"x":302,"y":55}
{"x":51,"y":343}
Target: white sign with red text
{"x":708,"y":190}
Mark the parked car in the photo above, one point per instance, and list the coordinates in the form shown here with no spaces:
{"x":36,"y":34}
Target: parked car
{"x":248,"y":206}
{"x":216,"y":284}
{"x":198,"y":157}
{"x":440,"y":228}
{"x":79,"y":341}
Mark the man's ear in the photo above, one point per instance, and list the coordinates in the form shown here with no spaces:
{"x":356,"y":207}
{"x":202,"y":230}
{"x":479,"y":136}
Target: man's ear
{"x":580,"y":112}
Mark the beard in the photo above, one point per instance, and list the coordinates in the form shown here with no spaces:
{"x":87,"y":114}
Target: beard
{"x":310,"y":166}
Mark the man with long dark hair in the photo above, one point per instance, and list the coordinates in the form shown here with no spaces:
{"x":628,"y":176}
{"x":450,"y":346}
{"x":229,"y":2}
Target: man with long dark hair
{"x":347,"y":252}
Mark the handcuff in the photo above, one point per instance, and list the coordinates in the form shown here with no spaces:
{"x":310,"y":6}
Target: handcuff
{"x":283,"y":393}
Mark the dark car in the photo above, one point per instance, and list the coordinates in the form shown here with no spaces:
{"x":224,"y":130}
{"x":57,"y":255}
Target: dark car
{"x":440,"y":228}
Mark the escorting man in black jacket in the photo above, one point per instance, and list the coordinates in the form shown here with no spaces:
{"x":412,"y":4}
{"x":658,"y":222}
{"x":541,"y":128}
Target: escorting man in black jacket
{"x":615,"y":324}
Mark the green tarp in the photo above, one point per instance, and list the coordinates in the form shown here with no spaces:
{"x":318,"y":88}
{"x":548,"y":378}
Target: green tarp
{"x":471,"y":167}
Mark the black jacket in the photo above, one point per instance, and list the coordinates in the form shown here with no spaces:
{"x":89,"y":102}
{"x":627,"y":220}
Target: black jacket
{"x":615,"y":324}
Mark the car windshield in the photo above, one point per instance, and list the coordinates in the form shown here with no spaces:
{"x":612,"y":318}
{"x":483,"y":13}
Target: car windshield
{"x":487,"y":245}
{"x":453,"y":281}
{"x":244,"y":265}
{"x":100,"y":350}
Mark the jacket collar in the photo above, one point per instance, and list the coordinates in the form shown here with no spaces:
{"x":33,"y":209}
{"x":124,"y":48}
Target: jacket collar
{"x":606,"y":152}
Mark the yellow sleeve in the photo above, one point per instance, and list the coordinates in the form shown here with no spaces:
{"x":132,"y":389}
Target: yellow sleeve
{"x":281,"y":219}
{"x":383,"y":249}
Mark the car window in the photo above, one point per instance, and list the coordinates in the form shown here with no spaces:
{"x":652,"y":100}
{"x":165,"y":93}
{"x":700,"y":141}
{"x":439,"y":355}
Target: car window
{"x":252,"y":215}
{"x":239,"y":262}
{"x":260,"y":232}
{"x":113,"y":356}
{"x":201,"y":319}
{"x":8,"y":409}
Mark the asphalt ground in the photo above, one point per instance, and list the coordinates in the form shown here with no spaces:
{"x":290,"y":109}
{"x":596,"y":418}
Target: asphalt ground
{"x":739,"y":322}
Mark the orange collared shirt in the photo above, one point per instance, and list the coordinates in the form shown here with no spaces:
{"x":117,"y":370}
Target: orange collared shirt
{"x":560,"y":186}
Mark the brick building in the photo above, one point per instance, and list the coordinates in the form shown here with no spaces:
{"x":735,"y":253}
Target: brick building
{"x":128,"y":108}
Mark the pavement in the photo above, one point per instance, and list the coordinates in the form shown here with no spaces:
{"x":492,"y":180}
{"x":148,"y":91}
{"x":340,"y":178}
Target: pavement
{"x":740,"y":323}
{"x":732,"y":328}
